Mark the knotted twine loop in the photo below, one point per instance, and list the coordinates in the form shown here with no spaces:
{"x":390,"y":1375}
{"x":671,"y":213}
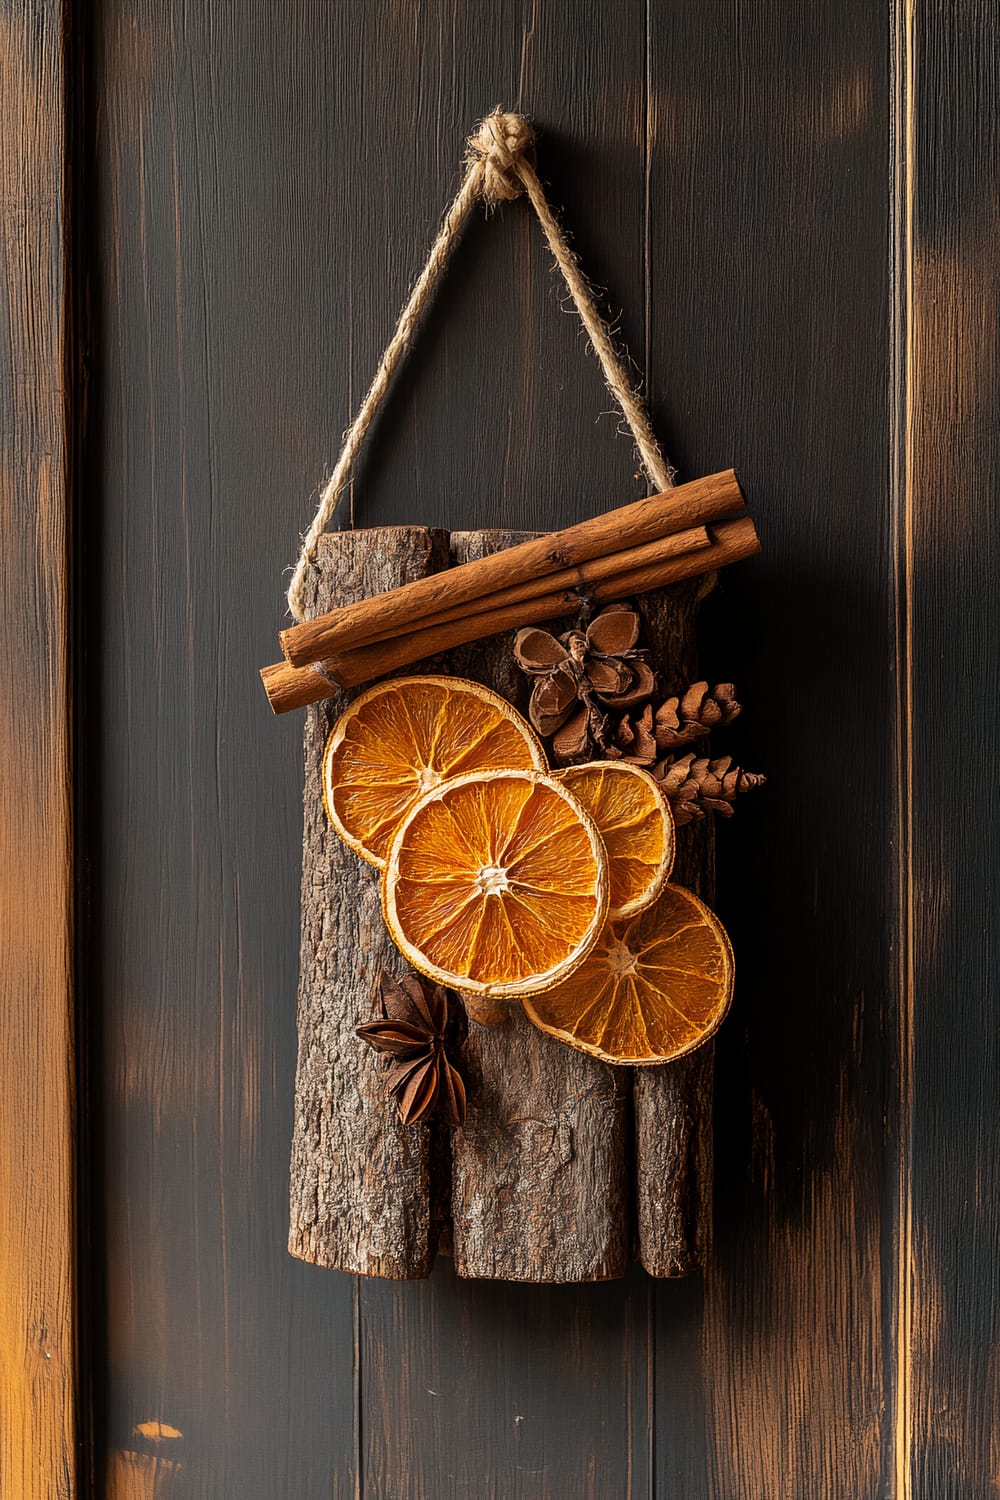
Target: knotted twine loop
{"x":499,"y":167}
{"x":497,"y":146}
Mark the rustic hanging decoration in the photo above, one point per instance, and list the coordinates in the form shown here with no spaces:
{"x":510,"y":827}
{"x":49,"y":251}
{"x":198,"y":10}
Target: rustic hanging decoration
{"x":517,"y":824}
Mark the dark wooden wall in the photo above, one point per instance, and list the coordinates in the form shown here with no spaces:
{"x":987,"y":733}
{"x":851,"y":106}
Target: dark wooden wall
{"x":791,"y":206}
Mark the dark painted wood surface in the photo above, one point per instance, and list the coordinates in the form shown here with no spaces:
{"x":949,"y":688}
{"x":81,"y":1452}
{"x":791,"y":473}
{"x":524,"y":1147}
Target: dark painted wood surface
{"x":950,"y":614}
{"x":262,"y":182}
{"x":770,"y":1379}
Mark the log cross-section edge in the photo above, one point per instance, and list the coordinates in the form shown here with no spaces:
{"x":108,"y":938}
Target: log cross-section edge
{"x":567,"y":1166}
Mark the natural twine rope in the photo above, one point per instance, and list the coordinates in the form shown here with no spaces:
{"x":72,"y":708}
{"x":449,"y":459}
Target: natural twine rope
{"x":498,"y":168}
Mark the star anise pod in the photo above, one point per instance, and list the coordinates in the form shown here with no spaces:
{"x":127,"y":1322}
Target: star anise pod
{"x":580,"y":675}
{"x":412,"y":1031}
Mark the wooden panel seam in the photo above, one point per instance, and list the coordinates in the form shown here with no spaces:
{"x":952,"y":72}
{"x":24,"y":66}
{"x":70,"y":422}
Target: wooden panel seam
{"x":901,"y":418}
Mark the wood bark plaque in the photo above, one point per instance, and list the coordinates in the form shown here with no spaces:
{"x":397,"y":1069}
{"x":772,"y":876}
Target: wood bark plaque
{"x":566,"y":1165}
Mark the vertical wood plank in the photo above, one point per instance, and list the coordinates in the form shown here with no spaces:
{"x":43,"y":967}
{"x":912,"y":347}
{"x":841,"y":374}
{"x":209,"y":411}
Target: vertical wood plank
{"x":488,"y":1391}
{"x":770,"y":343}
{"x":37,"y":1425}
{"x":213,"y":165}
{"x":949,"y":535}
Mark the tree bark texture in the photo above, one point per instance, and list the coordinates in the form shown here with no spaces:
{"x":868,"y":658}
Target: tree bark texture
{"x":360,"y":1180}
{"x":542,"y":1184}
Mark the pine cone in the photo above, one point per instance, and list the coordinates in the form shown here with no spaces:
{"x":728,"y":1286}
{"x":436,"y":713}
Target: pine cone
{"x":696,"y":786}
{"x":634,"y":741}
{"x":695,"y":713}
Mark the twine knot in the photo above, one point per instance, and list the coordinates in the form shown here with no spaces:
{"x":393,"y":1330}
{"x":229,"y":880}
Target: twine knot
{"x":498,"y":144}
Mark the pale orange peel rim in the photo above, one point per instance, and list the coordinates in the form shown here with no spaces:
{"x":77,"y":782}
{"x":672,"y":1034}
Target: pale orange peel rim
{"x":510,"y":989}
{"x":336,"y":737}
{"x":616,"y":767}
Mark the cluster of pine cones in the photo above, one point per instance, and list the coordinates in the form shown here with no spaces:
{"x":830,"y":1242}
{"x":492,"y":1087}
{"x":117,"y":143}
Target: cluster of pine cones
{"x":594,"y":694}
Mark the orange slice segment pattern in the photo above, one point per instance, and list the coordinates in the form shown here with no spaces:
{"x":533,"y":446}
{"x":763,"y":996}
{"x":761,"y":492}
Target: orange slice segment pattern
{"x":496,"y":883}
{"x":652,"y":989}
{"x":403,"y":737}
{"x":636,"y":824}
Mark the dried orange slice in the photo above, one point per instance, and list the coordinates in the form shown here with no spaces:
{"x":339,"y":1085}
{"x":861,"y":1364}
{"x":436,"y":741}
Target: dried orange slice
{"x":496,"y":883}
{"x":653,"y":988}
{"x":403,"y":737}
{"x":634,"y":819}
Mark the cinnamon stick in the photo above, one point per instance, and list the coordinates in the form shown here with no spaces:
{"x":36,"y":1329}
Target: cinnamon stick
{"x":350,"y":628}
{"x":676,"y":544}
{"x":289,"y":687}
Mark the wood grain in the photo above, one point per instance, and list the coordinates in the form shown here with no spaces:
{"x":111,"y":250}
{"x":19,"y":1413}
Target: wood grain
{"x":774,"y":1381}
{"x":471,"y":1411}
{"x":209,"y":132}
{"x":505,"y":1390}
{"x":360,"y":1180}
{"x":949,"y":637}
{"x":38,"y":1458}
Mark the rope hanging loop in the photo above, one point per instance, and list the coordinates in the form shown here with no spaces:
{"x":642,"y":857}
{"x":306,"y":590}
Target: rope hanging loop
{"x":499,"y":166}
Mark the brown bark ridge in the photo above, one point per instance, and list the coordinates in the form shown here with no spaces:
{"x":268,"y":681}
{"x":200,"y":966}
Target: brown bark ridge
{"x":539,"y":1174}
{"x":360,"y":1181}
{"x":672,"y":1105}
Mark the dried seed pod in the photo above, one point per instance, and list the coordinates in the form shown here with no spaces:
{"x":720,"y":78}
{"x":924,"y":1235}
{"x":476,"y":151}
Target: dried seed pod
{"x":412,"y":1030}
{"x":553,"y":699}
{"x":536,"y":651}
{"x":599,"y":667}
{"x":580,"y":738}
{"x":638,"y":690}
{"x":614,"y":631}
